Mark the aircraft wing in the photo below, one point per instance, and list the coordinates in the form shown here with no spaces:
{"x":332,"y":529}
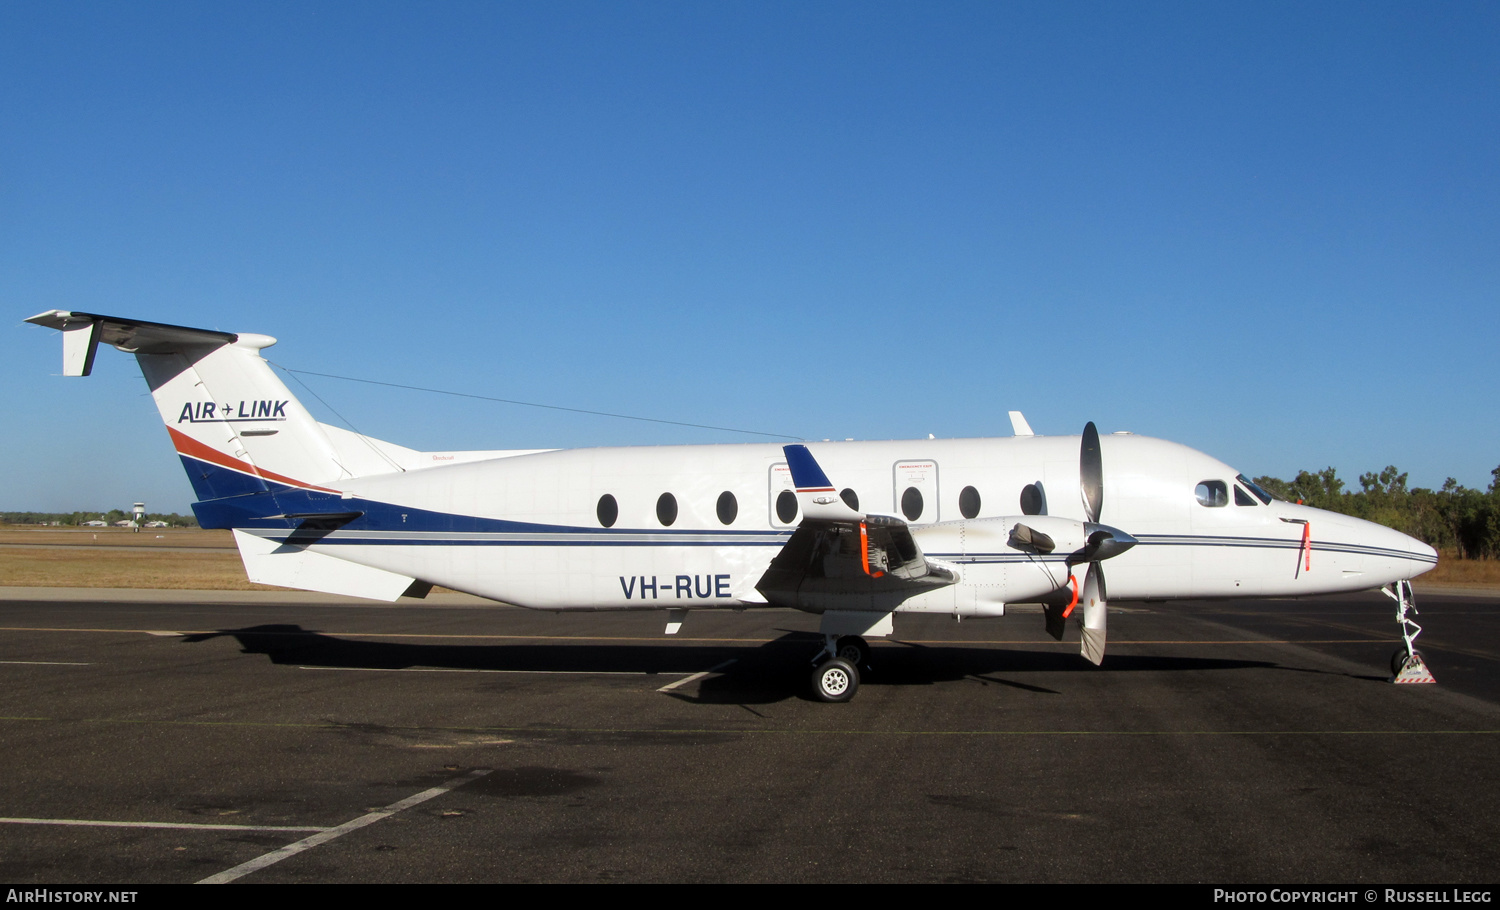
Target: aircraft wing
{"x":841,"y":559}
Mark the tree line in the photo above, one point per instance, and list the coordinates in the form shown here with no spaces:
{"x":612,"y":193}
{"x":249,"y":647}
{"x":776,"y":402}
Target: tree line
{"x":78,"y":518}
{"x":1453,"y":518}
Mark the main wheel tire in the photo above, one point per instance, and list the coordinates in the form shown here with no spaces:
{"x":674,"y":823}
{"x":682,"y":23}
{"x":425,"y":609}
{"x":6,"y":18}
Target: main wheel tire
{"x":853,"y":649}
{"x":835,"y":680}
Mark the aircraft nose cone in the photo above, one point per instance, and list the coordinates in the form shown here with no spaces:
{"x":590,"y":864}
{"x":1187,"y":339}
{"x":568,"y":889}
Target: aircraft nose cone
{"x":1422,"y":553}
{"x":1392,"y":554}
{"x":1407,"y":553}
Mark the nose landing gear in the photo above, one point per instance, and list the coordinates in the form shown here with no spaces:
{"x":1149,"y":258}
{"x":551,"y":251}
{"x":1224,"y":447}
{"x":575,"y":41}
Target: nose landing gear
{"x":1407,"y":665}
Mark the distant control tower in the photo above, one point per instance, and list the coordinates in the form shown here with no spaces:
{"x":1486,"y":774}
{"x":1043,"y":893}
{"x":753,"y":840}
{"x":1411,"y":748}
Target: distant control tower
{"x":138,"y":516}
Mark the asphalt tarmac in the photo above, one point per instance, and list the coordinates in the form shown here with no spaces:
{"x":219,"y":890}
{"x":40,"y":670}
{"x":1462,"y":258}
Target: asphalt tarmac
{"x":158,"y":737}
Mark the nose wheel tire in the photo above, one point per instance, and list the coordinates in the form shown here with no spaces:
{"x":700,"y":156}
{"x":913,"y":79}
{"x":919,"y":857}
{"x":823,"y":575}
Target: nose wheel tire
{"x":835,"y":680}
{"x":1399,"y":659}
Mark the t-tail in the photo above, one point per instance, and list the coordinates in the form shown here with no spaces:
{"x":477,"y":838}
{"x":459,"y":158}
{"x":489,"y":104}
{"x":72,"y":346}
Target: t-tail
{"x":236,"y":426}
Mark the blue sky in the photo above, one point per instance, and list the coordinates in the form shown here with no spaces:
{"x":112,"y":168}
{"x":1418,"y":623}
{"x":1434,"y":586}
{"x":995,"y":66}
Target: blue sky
{"x":1268,"y":231}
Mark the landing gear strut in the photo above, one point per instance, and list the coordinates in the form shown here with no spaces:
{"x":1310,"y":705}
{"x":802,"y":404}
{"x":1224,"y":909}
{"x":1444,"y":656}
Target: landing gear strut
{"x":1407,"y":665}
{"x":853,"y":649}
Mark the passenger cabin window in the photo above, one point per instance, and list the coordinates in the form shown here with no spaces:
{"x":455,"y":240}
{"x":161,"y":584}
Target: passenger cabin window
{"x":786,"y":507}
{"x":1033,"y":501}
{"x":728,"y":508}
{"x":608,"y":511}
{"x":666,"y":509}
{"x":968,"y":502}
{"x":911,"y":503}
{"x":1241,"y":498}
{"x":1213,"y":493}
{"x":850,"y":498}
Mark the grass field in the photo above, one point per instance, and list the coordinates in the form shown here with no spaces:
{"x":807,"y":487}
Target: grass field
{"x":207,"y":560}
{"x":117,"y":558}
{"x":117,"y":537}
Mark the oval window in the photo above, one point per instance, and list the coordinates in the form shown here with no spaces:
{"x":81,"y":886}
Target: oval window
{"x":608,"y":511}
{"x":968,"y":502}
{"x":728,"y":508}
{"x":666,"y":508}
{"x":911,"y":503}
{"x":1032,"y":502}
{"x":850,"y":498}
{"x":786,"y":507}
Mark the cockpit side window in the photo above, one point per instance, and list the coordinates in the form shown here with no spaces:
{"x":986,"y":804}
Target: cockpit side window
{"x":1241,"y":498}
{"x":1250,"y":485}
{"x":1212,"y":493}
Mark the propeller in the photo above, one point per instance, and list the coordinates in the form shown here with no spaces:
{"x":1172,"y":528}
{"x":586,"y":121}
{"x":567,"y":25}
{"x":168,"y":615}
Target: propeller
{"x":1103,"y":542}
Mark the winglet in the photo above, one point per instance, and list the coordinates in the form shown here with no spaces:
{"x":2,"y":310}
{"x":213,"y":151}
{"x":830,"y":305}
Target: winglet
{"x":816,"y":493}
{"x":1018,"y":424}
{"x":806,"y":472}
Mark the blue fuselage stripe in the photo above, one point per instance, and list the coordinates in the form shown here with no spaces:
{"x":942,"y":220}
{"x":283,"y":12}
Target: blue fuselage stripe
{"x":267,"y":511}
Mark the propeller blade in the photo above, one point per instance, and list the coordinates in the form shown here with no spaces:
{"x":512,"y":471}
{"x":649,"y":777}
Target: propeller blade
{"x":1091,"y":473}
{"x":1094,"y":600}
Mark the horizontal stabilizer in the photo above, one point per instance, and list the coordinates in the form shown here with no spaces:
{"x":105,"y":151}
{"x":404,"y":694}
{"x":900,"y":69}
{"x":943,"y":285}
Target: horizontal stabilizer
{"x":82,"y":333}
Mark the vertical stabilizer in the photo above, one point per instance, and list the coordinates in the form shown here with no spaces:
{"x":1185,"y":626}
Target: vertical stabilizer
{"x":234,"y":423}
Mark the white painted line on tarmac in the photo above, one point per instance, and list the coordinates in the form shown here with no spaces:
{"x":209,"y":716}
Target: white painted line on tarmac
{"x":695,"y":677}
{"x":46,"y":663}
{"x":323,"y":837}
{"x":359,"y":635}
{"x":93,"y":823}
{"x":461,"y":670}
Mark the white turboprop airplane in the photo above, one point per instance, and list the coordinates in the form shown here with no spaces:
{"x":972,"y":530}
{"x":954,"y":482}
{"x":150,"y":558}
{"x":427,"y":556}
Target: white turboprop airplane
{"x":854,"y":531}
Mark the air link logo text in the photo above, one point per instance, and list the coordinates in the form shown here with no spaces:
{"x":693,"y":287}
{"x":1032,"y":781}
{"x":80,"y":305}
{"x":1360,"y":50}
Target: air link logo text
{"x":213,"y":412}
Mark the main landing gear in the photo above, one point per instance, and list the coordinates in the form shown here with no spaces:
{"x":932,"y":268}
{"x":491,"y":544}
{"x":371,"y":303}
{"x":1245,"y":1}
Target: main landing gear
{"x":1407,"y":665}
{"x":836,"y":672}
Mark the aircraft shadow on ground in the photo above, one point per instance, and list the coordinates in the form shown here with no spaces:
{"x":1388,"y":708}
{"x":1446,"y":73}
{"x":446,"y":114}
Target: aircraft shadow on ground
{"x":758,"y":672}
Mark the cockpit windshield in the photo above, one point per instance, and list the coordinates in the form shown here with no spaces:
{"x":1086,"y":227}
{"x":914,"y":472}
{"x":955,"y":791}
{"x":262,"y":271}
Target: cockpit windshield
{"x":1260,"y":494}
